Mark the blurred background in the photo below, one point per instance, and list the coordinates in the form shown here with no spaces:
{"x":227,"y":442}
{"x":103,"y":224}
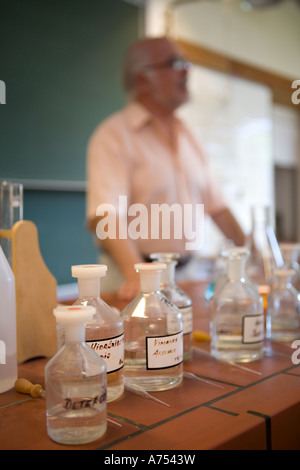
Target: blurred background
{"x":60,"y":62}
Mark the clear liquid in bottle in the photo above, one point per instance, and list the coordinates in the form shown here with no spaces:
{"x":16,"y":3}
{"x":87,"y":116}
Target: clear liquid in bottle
{"x":75,"y":384}
{"x":283,"y":311}
{"x":177,"y":297}
{"x":153,"y":335}
{"x":105,"y":332}
{"x":237,"y":320}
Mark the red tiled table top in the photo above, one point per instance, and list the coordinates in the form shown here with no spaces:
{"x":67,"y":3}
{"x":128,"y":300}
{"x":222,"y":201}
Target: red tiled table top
{"x":242,"y":410}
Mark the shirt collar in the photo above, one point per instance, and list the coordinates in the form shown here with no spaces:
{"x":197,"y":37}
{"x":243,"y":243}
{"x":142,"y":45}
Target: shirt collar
{"x":138,"y":116}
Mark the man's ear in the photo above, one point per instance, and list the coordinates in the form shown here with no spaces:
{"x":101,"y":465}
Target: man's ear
{"x":142,"y":82}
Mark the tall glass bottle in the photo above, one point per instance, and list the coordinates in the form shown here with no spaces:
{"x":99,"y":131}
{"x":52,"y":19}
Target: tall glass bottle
{"x":75,"y":384}
{"x":177,"y":297}
{"x":260,"y":263}
{"x":283,"y":312}
{"x":237,"y":320}
{"x":11,"y":211}
{"x":153,"y":335}
{"x":105,"y":333}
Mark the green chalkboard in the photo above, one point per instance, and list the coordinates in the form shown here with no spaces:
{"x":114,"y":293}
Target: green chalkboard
{"x":60,"y":61}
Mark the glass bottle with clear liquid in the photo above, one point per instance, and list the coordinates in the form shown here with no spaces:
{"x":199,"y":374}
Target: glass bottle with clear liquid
{"x":177,"y":297}
{"x":75,"y":384}
{"x":237,"y":320}
{"x":153,"y":335}
{"x":105,"y":332}
{"x":290,"y":253}
{"x":223,"y":277}
{"x":283,"y":312}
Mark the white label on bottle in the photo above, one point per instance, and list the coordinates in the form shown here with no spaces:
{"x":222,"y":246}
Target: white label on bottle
{"x":164,"y":351}
{"x":253,"y":329}
{"x":187,"y":319}
{"x":111,"y":350}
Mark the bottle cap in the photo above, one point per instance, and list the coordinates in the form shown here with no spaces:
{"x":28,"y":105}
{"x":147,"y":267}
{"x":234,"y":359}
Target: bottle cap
{"x":149,"y":266}
{"x":284,"y":272}
{"x":235,"y":251}
{"x":70,"y":315}
{"x":89,"y":271}
{"x":164,"y":257}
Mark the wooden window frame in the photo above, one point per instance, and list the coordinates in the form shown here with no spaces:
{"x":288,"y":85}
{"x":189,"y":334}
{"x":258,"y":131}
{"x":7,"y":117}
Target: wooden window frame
{"x":281,"y":87}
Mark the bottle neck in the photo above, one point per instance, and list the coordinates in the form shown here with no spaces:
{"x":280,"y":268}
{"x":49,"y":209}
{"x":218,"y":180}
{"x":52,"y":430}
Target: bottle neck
{"x":284,"y":281}
{"x":236,"y":269}
{"x":75,"y":333}
{"x":150,"y":281}
{"x":89,"y":287}
{"x":168,"y":274}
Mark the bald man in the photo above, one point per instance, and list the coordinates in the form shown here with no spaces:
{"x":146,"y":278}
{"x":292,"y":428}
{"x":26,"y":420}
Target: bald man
{"x":145,"y":155}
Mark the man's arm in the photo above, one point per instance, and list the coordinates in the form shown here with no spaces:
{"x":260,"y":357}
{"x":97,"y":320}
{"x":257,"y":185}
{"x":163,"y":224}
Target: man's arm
{"x":125,"y":255}
{"x":230,"y":227}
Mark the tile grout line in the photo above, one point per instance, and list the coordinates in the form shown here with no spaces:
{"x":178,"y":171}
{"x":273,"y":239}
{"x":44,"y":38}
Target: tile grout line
{"x":204,"y":405}
{"x":267,"y":419}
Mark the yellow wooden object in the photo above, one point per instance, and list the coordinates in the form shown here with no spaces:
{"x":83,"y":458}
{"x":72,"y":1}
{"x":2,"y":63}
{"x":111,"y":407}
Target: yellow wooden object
{"x":25,"y":386}
{"x":35,"y":293}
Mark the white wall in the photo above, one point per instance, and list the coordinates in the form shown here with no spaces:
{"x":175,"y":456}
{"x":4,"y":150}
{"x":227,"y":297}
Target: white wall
{"x":268,"y":38}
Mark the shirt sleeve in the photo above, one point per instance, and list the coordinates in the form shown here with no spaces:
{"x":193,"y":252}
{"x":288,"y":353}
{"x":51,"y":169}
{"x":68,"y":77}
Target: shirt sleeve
{"x":107,"y":169}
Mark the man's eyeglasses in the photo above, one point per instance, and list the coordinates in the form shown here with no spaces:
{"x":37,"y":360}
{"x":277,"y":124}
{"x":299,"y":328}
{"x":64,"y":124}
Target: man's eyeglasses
{"x":174,"y":63}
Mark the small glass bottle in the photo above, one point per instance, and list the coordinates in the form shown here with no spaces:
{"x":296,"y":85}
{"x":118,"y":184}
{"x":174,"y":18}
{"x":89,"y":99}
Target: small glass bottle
{"x":237,"y":322}
{"x":105,"y":333}
{"x":223,"y":277}
{"x":153,"y":335}
{"x":283,"y":312}
{"x":75,"y":381}
{"x":177,"y":297}
{"x":290,"y":253}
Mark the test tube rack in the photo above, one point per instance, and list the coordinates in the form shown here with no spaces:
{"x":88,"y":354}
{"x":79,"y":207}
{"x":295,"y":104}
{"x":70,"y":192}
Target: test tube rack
{"x":35,"y":293}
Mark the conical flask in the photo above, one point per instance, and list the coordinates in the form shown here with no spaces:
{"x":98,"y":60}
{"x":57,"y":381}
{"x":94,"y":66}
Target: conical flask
{"x":153,"y":335}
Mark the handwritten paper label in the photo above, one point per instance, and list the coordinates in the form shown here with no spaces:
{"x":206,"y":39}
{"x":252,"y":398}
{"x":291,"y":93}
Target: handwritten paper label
{"x":253,"y":329}
{"x":111,"y":350}
{"x":164,"y":351}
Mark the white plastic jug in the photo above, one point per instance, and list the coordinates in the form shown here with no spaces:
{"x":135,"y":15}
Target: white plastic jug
{"x":8,"y":333}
